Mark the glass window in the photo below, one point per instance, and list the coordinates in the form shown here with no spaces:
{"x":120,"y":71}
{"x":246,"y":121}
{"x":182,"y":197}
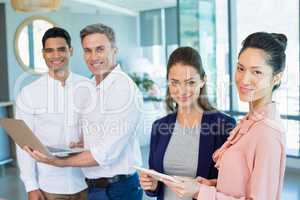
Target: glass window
{"x":198,"y":30}
{"x":292,"y":138}
{"x":30,"y":37}
{"x":150,"y":27}
{"x":222,"y":55}
{"x":159,"y":37}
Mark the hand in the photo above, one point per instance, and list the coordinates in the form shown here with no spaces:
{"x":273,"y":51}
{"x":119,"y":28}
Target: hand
{"x":36,"y":195}
{"x":38,"y":156}
{"x":211,"y":182}
{"x":78,"y":144}
{"x":147,"y":182}
{"x":184,"y":187}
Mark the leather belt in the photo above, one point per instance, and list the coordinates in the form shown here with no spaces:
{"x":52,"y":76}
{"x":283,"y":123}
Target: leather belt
{"x":104,"y":182}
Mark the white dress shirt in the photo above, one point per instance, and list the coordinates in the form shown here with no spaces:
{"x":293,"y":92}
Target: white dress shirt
{"x":112,"y":114}
{"x":48,"y":109}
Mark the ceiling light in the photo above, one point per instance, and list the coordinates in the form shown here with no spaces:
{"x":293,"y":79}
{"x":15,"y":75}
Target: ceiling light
{"x":35,"y":5}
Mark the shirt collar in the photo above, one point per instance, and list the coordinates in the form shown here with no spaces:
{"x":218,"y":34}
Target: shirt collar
{"x":267,"y":111}
{"x":54,"y":81}
{"x":109,"y":79}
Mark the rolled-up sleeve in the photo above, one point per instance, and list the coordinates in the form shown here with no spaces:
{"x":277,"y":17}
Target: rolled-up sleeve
{"x":153,"y":142}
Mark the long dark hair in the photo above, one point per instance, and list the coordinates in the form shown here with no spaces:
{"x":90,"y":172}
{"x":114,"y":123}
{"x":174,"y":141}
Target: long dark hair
{"x":188,"y":56}
{"x":273,"y":44}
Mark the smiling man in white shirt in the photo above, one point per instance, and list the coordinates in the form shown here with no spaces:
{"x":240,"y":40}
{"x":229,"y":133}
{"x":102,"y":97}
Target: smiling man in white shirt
{"x":47,"y":107}
{"x":109,"y":123}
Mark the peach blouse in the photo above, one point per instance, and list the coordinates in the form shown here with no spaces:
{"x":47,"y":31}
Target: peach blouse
{"x":251,"y":162}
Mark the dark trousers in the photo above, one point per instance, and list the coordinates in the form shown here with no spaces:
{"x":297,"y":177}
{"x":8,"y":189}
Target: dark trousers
{"x":128,"y":189}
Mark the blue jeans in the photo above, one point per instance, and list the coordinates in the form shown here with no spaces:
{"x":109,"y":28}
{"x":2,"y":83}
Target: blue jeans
{"x":97,"y":194}
{"x":128,"y":189}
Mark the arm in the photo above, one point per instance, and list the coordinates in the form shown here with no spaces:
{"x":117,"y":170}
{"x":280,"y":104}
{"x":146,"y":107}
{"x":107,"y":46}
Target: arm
{"x":210,"y":193}
{"x":266,"y":177}
{"x":193,"y":188}
{"x":147,"y":182}
{"x":27,"y":165}
{"x":36,"y":195}
{"x":28,"y":173}
{"x":114,"y":131}
{"x":84,"y":159}
{"x":153,"y":140}
{"x":116,"y":127}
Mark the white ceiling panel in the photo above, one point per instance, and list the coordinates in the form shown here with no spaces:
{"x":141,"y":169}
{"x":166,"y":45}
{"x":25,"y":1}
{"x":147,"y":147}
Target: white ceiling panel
{"x":114,"y":7}
{"x":139,"y":5}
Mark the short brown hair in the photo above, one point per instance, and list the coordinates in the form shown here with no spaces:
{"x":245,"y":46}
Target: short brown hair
{"x":99,"y":28}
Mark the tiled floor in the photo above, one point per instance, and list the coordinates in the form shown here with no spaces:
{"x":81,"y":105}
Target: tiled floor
{"x":11,"y":188}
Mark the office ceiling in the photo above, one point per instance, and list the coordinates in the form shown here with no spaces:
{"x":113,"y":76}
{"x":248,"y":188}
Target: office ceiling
{"x":116,"y":7}
{"x":113,"y":7}
{"x":140,"y":5}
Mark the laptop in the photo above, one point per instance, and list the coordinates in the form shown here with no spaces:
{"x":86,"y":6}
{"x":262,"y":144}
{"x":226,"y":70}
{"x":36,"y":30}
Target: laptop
{"x":22,"y":135}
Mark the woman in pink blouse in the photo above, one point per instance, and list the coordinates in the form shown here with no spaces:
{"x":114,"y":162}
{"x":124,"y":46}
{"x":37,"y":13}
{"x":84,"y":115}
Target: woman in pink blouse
{"x":251,"y":163}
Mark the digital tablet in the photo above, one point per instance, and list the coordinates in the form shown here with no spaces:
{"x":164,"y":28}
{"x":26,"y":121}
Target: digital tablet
{"x":157,"y":175}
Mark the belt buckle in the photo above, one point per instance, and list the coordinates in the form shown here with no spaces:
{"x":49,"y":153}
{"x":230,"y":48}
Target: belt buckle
{"x":119,"y":178}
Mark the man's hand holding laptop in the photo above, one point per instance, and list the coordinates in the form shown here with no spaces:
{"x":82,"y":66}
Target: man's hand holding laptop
{"x":52,"y":160}
{"x":40,"y":157}
{"x":78,"y":144}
